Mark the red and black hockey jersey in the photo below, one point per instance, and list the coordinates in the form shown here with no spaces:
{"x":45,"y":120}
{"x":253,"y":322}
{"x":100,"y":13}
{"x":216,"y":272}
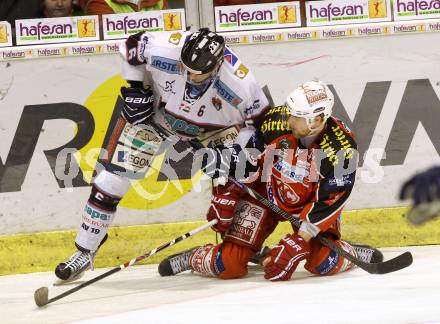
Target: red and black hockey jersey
{"x":312,"y":183}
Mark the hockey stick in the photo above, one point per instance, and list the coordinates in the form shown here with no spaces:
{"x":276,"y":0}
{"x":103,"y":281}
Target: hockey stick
{"x":41,"y":295}
{"x":401,"y":261}
{"x":113,"y":141}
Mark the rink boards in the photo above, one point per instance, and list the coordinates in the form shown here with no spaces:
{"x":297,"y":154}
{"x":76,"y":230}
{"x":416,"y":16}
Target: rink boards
{"x":386,"y":86}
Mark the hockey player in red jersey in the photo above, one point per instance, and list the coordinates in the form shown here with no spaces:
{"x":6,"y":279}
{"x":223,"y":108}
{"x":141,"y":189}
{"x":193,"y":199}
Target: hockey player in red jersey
{"x":308,"y":169}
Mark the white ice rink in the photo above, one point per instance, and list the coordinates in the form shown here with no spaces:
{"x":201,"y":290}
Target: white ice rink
{"x":140,"y":295}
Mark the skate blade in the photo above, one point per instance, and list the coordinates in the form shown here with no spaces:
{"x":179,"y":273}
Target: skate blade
{"x":60,"y":282}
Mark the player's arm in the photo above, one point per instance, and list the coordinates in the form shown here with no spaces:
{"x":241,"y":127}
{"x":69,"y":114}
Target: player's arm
{"x":134,"y":53}
{"x":318,"y":215}
{"x":258,"y":104}
{"x":138,"y":100}
{"x":336,"y":181}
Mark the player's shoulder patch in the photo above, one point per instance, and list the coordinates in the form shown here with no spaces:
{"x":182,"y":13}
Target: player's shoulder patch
{"x":274,"y":124}
{"x":165,"y":64}
{"x":241,"y":71}
{"x":337,"y":142}
{"x":230,"y":57}
{"x":175,"y":38}
{"x":227,"y":93}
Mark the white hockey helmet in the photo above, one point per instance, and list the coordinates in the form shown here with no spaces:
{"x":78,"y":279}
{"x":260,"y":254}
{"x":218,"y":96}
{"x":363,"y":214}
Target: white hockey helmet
{"x":309,"y":100}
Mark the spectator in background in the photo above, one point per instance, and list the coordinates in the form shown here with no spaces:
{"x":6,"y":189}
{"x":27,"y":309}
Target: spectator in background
{"x":81,"y":4}
{"x":10,"y":10}
{"x":105,"y":7}
{"x":56,"y":8}
{"x":241,"y":2}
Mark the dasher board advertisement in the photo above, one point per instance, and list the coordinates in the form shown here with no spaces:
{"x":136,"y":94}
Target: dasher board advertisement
{"x":344,"y":12}
{"x":416,"y":9}
{"x":123,"y":25}
{"x":5,"y":34}
{"x":57,"y":30}
{"x":262,"y":16}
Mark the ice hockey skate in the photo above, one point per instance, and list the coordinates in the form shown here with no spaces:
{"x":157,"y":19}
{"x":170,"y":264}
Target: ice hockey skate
{"x":258,"y":257}
{"x":74,"y":268}
{"x":176,"y":263}
{"x":367,"y":253}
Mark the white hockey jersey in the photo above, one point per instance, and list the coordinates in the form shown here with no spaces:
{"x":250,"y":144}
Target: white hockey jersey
{"x":232,"y":97}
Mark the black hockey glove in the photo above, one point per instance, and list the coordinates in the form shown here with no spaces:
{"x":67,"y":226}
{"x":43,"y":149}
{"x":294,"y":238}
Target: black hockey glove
{"x":223,"y":161}
{"x":138,"y":105}
{"x":423,"y":187}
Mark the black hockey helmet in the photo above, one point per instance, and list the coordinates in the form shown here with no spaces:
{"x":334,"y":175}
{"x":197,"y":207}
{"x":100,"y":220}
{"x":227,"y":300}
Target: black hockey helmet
{"x":202,"y":51}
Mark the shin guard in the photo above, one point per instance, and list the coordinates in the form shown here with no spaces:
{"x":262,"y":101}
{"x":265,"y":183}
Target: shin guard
{"x":107,"y":191}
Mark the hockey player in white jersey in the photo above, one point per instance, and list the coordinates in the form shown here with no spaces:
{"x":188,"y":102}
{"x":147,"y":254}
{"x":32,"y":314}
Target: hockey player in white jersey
{"x":190,"y":83}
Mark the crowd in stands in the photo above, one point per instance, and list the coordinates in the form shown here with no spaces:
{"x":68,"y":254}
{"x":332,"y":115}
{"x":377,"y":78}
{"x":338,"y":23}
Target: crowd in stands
{"x":11,"y":10}
{"x":27,"y":9}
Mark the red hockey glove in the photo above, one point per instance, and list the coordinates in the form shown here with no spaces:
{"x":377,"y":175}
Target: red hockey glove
{"x":285,"y":257}
{"x":224,"y":199}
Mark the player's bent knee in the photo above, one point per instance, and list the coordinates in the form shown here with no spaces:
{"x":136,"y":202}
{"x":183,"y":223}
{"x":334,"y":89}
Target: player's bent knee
{"x":112,"y":184}
{"x":234,"y":259}
{"x":325,"y":262}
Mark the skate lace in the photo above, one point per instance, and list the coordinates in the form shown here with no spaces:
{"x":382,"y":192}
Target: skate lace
{"x":79,"y":260}
{"x":180,"y":263}
{"x":365,"y":254}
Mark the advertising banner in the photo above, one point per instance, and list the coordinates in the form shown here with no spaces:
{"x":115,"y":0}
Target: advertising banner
{"x":261,"y":16}
{"x":5,"y":34}
{"x":57,"y":30}
{"x":123,"y":25}
{"x":343,"y":12}
{"x":58,"y":50}
{"x":416,"y":9}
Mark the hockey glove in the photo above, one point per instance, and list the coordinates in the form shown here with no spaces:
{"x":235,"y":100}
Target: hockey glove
{"x":423,"y":187}
{"x":223,"y":202}
{"x":285,"y":257}
{"x":138,"y":104}
{"x":220,"y":161}
{"x":223,"y":161}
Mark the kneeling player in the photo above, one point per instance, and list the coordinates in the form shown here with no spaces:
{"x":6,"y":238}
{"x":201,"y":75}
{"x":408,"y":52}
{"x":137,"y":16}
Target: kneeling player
{"x":309,"y":155}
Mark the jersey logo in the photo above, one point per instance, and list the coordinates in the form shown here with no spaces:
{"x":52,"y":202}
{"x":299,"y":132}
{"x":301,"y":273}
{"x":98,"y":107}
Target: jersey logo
{"x":217,"y":103}
{"x":182,"y":126}
{"x":227,"y":94}
{"x":165,"y":65}
{"x":328,"y":264}
{"x":242,"y":71}
{"x":169,"y":86}
{"x":255,"y":106}
{"x":230,"y":57}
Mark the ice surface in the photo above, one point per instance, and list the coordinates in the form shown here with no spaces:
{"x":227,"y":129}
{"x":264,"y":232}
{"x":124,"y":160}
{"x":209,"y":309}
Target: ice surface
{"x":140,"y":295}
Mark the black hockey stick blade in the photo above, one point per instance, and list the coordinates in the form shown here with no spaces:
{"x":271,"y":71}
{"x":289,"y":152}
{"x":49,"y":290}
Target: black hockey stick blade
{"x":399,"y":262}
